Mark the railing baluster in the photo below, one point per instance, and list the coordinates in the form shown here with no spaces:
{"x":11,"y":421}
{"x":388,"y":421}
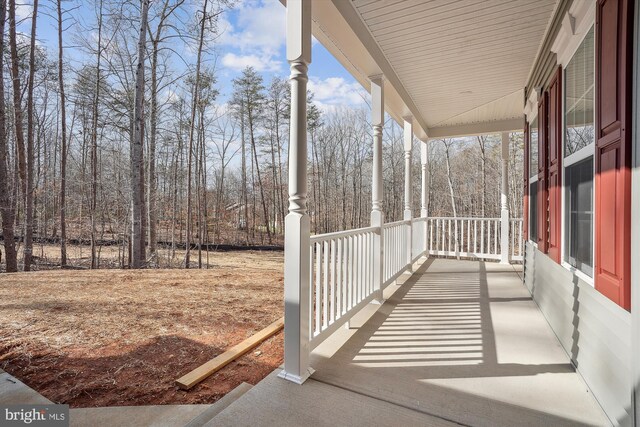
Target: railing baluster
{"x":468,"y":236}
{"x":312,"y":286}
{"x":318,"y":306}
{"x":430,"y":235}
{"x":339,"y":280}
{"x":332,"y":316}
{"x":496,"y":230}
{"x":367,"y":261}
{"x":475,"y":236}
{"x":325,"y":286}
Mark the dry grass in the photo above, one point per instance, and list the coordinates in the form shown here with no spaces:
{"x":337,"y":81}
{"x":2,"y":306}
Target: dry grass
{"x":47,"y":256}
{"x":105,"y":337}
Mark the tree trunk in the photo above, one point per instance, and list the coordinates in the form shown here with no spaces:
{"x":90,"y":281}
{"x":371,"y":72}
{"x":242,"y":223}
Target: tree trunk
{"x":192,"y":125}
{"x":94,"y":145}
{"x":244,"y":200}
{"x":63,"y":145}
{"x":255,"y":156}
{"x":137,"y":155}
{"x":28,"y":242}
{"x":17,"y":104}
{"x":6,"y":207}
{"x":153,"y":123}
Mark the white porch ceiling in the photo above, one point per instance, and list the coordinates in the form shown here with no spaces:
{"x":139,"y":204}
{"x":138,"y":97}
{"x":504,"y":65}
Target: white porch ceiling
{"x":459,"y":66}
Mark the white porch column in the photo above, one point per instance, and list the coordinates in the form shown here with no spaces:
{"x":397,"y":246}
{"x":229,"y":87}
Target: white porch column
{"x":377,"y":218}
{"x":408,"y":190}
{"x":424,"y":192}
{"x":504,"y":202}
{"x":296,"y":245}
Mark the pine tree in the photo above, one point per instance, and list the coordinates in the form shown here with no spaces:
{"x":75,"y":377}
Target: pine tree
{"x":248,"y":101}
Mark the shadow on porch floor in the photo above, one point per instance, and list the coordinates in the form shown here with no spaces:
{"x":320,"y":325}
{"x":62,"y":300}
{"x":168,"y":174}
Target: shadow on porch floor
{"x":459,"y":342}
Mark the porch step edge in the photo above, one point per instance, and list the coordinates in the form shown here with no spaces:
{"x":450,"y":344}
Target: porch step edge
{"x":206,"y":417}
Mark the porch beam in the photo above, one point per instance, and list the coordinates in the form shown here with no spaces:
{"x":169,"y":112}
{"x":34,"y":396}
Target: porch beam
{"x":510,"y":125}
{"x":504,"y":202}
{"x":377,"y":217}
{"x":408,"y":188}
{"x":297,"y":225}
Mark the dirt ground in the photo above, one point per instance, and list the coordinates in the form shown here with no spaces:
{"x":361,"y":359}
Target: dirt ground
{"x":122,"y":337}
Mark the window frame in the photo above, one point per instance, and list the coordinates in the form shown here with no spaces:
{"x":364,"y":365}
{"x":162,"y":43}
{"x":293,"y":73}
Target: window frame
{"x":574,"y":158}
{"x":532,"y":178}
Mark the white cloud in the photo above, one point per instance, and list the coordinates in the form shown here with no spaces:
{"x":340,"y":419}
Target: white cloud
{"x":257,"y":36}
{"x":239,"y":62}
{"x":336,"y":91}
{"x":24,"y":10}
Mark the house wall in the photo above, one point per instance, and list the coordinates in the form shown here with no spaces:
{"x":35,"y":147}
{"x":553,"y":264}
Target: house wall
{"x":593,"y":330}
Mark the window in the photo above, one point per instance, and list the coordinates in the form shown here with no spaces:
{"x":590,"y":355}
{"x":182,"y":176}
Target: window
{"x":533,"y":148}
{"x":579,"y":137}
{"x":533,"y":178}
{"x":533,"y":211}
{"x":579,"y":216}
{"x":578,"y":100}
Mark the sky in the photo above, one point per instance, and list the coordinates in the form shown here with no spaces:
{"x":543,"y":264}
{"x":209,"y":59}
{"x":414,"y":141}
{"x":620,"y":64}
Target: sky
{"x":251,"y":34}
{"x":254,"y":34}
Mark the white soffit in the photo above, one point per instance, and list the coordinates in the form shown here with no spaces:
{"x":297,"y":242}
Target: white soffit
{"x":345,"y":43}
{"x":457,"y":65}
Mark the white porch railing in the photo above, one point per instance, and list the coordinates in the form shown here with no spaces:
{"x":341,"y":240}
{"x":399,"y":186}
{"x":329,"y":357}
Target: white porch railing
{"x":472,"y":238}
{"x":516,"y":241}
{"x":419,"y":243}
{"x":342,"y":273}
{"x":395,"y":239}
{"x":464,"y":237}
{"x":341,"y":279}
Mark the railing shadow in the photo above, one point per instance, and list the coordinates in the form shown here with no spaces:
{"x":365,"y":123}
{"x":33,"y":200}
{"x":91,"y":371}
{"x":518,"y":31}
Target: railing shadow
{"x":436,"y":326}
{"x":444,"y":324}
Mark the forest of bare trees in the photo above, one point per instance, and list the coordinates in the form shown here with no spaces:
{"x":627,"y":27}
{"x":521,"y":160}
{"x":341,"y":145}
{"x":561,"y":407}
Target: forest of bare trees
{"x":115,"y":139}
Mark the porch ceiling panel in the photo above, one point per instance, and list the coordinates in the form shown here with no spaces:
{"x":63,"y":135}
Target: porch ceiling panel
{"x":462,"y":64}
{"x":461,"y":61}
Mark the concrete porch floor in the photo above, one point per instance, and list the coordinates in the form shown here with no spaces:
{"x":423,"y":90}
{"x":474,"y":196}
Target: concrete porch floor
{"x":459,"y":342}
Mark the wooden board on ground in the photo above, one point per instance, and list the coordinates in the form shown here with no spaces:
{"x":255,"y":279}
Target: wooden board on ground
{"x":202,"y":372}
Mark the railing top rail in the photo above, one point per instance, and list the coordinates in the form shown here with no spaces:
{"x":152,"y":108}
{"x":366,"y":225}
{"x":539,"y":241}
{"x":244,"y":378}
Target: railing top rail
{"x":345,"y":233}
{"x":393,"y":224}
{"x":465,"y":218}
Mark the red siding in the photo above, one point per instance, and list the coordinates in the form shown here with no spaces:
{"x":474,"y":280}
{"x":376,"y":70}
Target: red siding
{"x":614,"y":39}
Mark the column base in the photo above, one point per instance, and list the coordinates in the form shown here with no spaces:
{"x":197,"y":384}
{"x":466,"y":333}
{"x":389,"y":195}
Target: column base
{"x":298,"y":379}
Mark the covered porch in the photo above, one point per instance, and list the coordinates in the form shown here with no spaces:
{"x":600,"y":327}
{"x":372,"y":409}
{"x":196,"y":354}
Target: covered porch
{"x":456,"y":342}
{"x":462,"y":340}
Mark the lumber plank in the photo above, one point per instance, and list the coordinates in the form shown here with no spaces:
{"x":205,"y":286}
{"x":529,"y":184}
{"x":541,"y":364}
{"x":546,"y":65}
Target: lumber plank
{"x":214,"y":365}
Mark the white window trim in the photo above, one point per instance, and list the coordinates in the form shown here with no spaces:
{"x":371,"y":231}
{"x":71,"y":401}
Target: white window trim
{"x":575,"y":26}
{"x":531,"y":106}
{"x":535,"y":175}
{"x":578,"y":273}
{"x":571,"y":45}
{"x":578,"y":156}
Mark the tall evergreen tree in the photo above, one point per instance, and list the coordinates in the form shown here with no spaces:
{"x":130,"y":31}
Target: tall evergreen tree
{"x":248,"y":100}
